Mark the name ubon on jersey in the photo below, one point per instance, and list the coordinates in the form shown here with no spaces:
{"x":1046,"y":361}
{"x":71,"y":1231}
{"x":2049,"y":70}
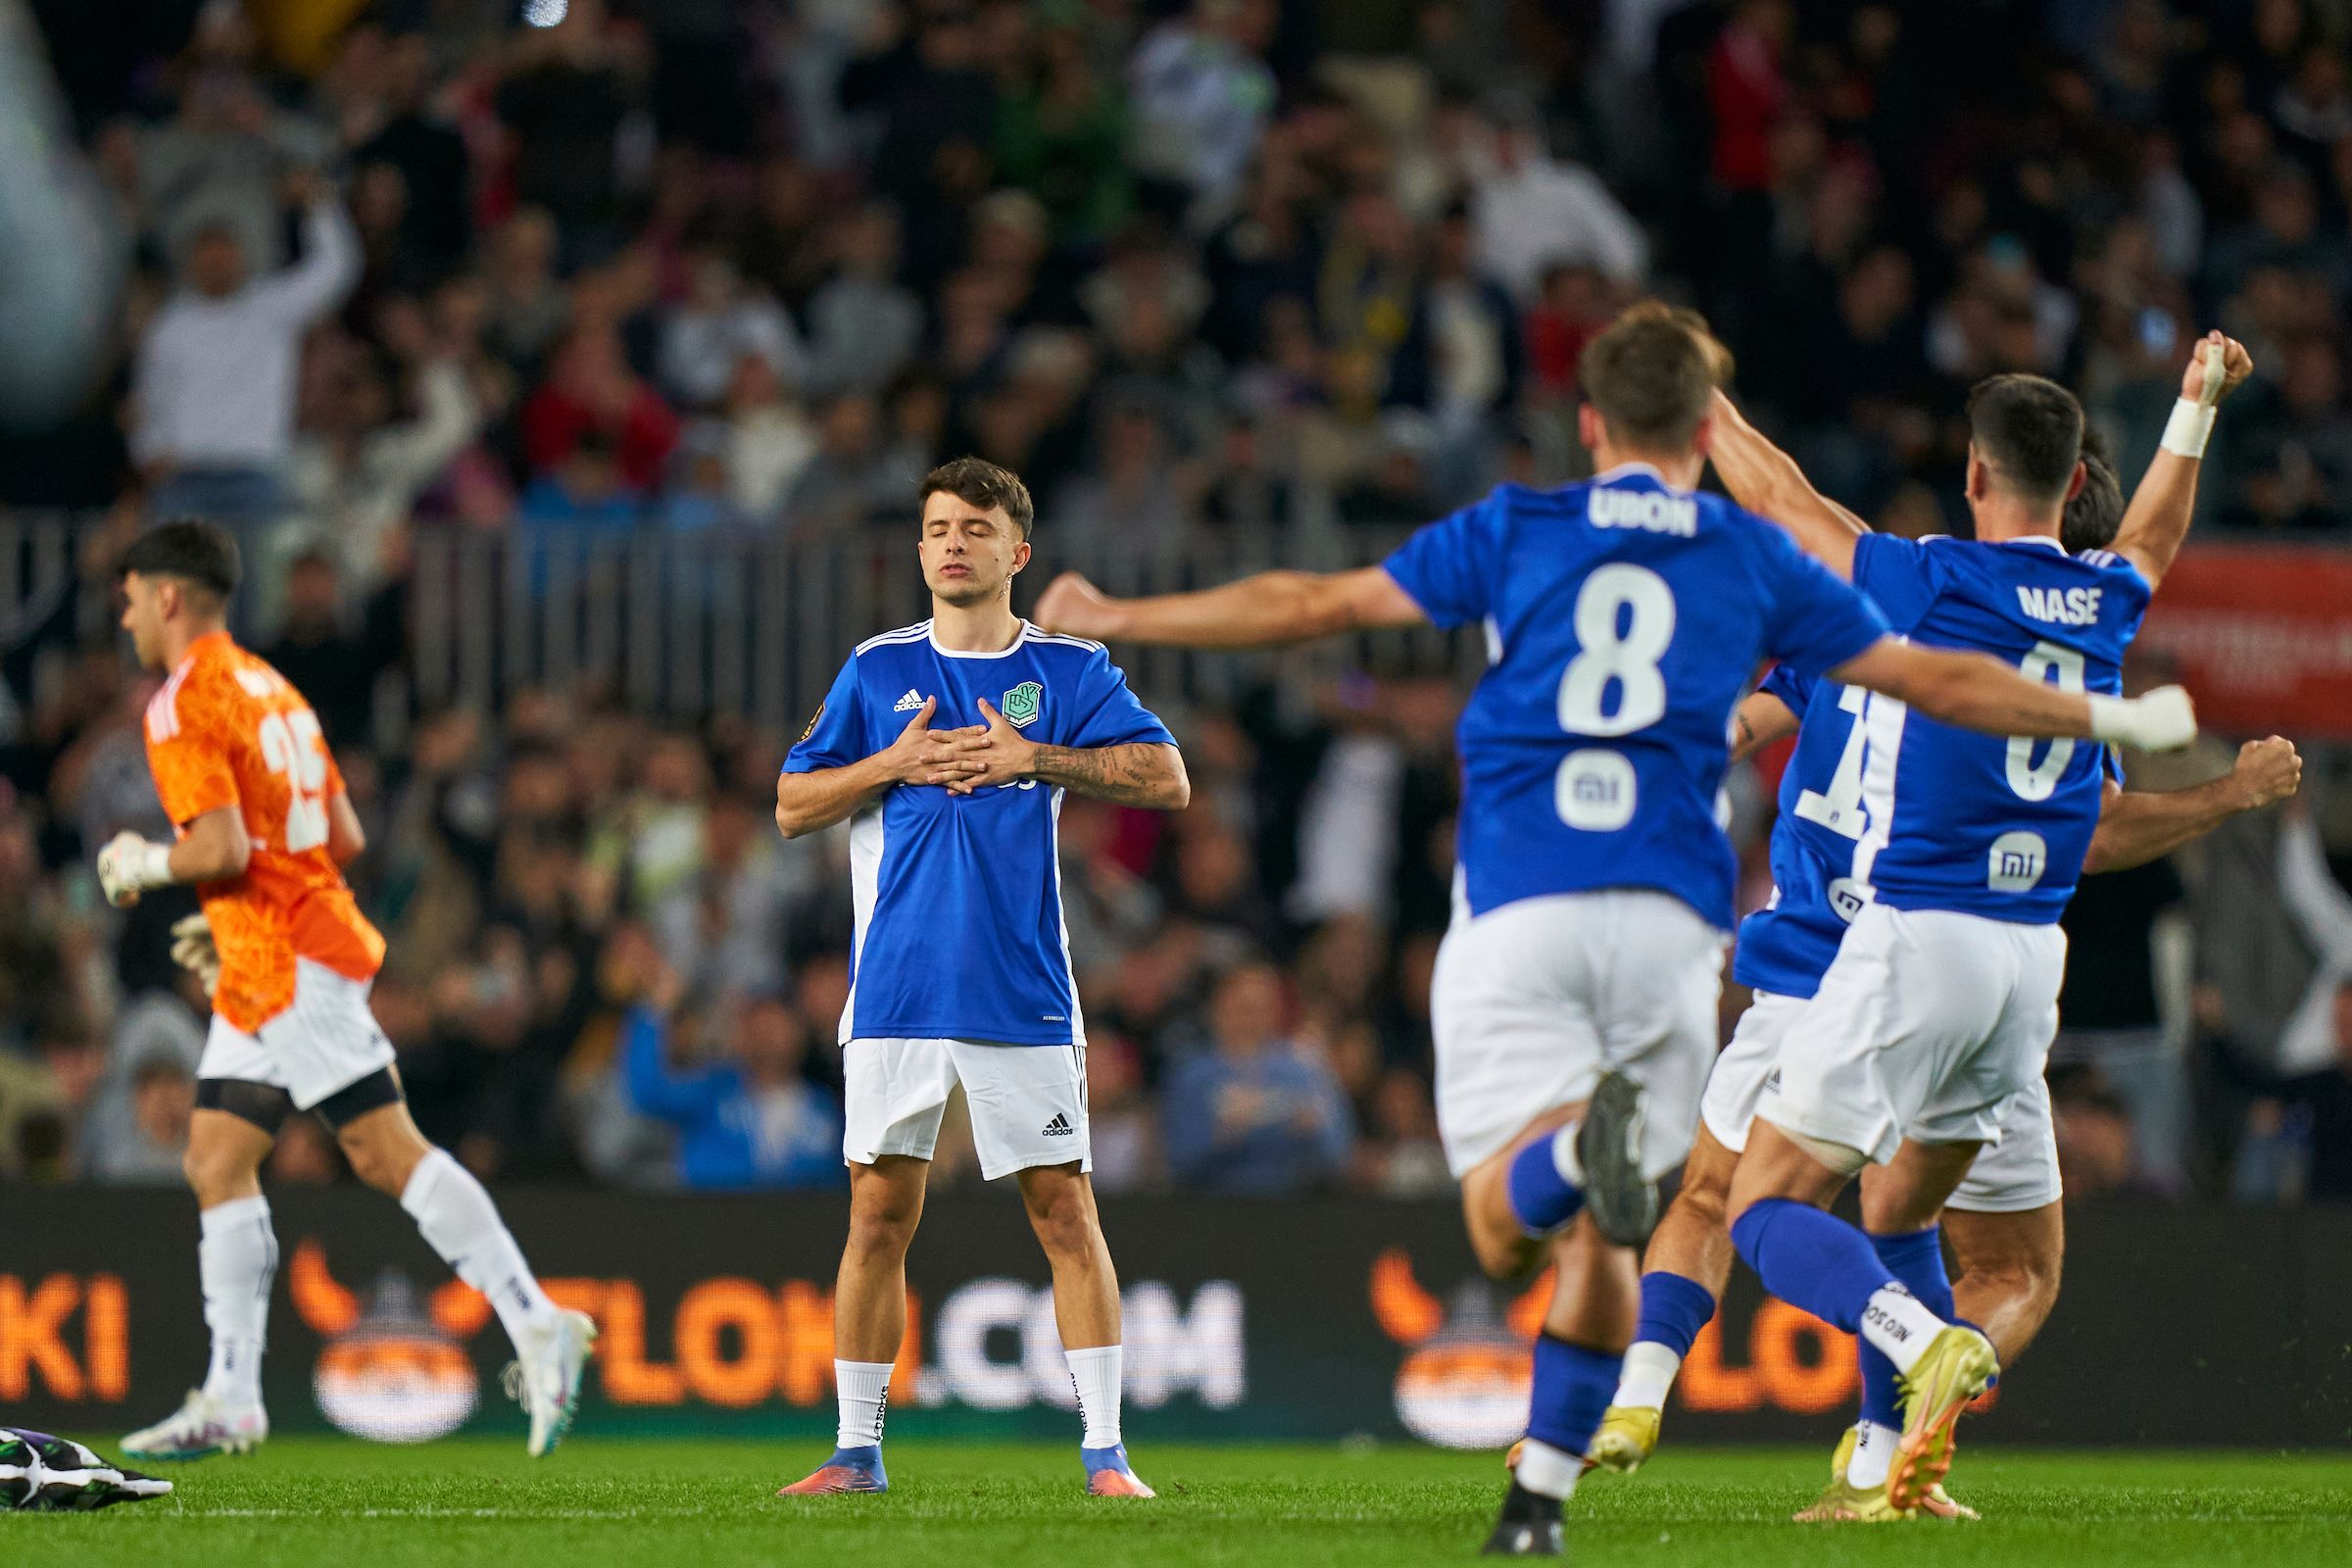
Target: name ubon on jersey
{"x":958,"y":897}
{"x":1972,"y":822}
{"x":1624,"y":619}
{"x":227,"y":730}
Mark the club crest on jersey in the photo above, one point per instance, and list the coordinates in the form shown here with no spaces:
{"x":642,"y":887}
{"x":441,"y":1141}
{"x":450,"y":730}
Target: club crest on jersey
{"x":1021,"y":703}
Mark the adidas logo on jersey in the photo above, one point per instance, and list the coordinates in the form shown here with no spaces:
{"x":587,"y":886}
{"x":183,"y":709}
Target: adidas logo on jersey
{"x":908,"y":702}
{"x":1060,"y":1126}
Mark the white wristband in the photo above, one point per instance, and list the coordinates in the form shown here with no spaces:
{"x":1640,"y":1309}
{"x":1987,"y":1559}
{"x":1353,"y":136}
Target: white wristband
{"x":2111,"y":720}
{"x":148,"y":866}
{"x":2189,"y":429}
{"x":2160,"y":721}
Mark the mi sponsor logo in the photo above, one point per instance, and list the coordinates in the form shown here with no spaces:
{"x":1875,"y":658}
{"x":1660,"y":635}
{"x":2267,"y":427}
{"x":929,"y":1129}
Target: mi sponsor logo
{"x":1595,"y":789}
{"x":2016,"y":862}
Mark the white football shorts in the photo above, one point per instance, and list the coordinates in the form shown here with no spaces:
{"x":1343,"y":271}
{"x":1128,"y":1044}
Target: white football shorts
{"x":1533,"y":1001}
{"x":326,"y":1040}
{"x":1739,"y":1074}
{"x":2017,"y":1171}
{"x":1028,"y":1102}
{"x":1927,"y":1023}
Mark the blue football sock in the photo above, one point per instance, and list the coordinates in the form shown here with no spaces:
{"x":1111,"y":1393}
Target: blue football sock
{"x":1810,"y":1259}
{"x":1572,"y":1389}
{"x":1915,"y":1259}
{"x":1673,"y":1310}
{"x":1542,"y":1198}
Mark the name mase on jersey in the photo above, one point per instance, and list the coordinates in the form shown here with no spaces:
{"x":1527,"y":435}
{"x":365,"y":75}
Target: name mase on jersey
{"x":2063,"y":607}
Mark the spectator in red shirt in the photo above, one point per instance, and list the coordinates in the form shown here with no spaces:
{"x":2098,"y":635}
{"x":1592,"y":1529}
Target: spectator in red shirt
{"x":1745,"y":91}
{"x":590,"y":386}
{"x":1574,"y":305}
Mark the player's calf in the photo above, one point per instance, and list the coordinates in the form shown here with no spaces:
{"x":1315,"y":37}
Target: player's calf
{"x":1684,"y":1274}
{"x":1061,"y":1203}
{"x":2010,"y":1267}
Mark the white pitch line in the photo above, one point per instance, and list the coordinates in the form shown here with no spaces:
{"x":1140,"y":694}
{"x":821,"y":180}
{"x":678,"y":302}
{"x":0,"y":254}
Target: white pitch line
{"x":439,"y":1514}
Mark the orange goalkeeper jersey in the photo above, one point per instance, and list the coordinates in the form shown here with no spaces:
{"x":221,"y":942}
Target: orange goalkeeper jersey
{"x":227,"y":730}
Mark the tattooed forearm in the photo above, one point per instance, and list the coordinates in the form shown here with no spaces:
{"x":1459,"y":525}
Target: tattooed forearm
{"x":1139,"y":773}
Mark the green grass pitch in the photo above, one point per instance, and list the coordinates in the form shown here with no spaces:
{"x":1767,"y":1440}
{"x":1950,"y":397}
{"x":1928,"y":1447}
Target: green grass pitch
{"x":604,"y":1504}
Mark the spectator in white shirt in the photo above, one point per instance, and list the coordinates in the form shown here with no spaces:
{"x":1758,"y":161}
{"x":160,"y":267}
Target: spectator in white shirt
{"x":720,"y":321}
{"x":1532,"y":212}
{"x":217,"y":371}
{"x":1203,"y":96}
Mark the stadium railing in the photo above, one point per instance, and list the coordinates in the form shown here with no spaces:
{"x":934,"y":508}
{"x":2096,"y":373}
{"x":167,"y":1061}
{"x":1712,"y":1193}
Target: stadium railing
{"x":686,"y":626}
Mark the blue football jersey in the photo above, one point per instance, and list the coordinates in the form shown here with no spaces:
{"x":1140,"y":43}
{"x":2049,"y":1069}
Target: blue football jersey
{"x":1624,"y":619}
{"x":1787,"y":946}
{"x":957,"y":898}
{"x":1978,"y":824}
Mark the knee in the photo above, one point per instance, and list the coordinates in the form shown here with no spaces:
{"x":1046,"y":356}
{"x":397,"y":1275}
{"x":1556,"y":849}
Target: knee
{"x":1505,"y":1251}
{"x":218,"y":1174}
{"x":883,"y":1224}
{"x":1063,"y":1219}
{"x":384,"y":1162}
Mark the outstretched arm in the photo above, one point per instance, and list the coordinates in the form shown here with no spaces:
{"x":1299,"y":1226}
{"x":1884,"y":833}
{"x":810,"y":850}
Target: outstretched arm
{"x":1767,"y":481}
{"x":1272,"y":606}
{"x":1979,"y":692}
{"x":2138,"y":826}
{"x":2157,"y":520}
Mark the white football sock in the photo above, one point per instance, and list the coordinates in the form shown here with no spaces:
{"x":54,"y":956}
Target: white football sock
{"x":1548,"y":1472}
{"x":1097,"y":1375}
{"x":1563,"y":1155}
{"x":1648,"y":1375}
{"x":455,"y":1215}
{"x":1874,"y":1452}
{"x":863,"y":1388}
{"x":1899,"y":1326}
{"x":236,"y":1259}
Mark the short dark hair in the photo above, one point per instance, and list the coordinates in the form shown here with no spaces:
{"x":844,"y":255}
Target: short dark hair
{"x":196,"y":553}
{"x":2029,"y":429}
{"x":982,"y":483}
{"x":1648,"y":378}
{"x":2096,"y":511}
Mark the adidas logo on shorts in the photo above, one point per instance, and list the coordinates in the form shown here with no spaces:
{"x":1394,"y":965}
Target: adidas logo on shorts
{"x":1060,"y":1126}
{"x":908,"y":702}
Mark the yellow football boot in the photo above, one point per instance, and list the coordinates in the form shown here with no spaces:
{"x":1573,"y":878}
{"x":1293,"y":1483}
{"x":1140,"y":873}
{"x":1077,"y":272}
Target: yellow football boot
{"x":1627,"y":1437}
{"x":1941,"y":1504}
{"x":1957,"y":1365}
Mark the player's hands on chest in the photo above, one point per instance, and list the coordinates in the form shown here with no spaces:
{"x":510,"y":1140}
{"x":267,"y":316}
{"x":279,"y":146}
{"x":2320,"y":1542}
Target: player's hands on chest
{"x":922,"y":754}
{"x":992,"y":753}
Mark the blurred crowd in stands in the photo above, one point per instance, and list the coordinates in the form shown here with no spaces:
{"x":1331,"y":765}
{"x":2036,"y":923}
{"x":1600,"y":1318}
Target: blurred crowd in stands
{"x":1210,"y":273}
